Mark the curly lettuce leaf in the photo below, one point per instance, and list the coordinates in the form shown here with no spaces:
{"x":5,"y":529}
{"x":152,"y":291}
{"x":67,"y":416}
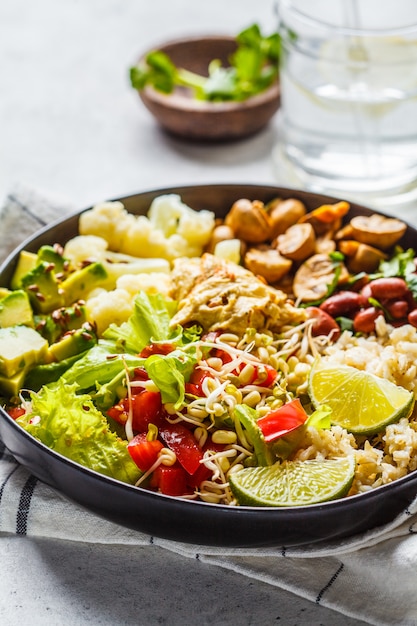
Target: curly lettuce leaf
{"x":71,"y":425}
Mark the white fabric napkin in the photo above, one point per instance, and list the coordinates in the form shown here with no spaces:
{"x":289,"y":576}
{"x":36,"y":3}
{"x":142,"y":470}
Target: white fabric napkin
{"x":372,"y":577}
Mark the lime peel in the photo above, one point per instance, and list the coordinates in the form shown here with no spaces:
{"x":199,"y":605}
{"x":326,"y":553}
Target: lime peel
{"x":294,"y":483}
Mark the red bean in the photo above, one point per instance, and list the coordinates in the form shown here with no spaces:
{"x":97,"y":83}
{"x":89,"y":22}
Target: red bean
{"x":364,"y":320}
{"x":366,"y":292}
{"x":323,"y":324}
{"x":343,"y":303}
{"x":388,"y":288}
{"x":398,"y":309}
{"x":412,"y":317}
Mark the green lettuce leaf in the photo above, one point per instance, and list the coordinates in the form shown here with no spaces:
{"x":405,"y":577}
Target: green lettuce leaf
{"x":170,"y":373}
{"x":247,"y":416}
{"x":149,"y":322}
{"x":99,"y":366}
{"x":71,"y":425}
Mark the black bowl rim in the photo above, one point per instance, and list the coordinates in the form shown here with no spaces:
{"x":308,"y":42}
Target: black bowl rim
{"x":337,"y":505}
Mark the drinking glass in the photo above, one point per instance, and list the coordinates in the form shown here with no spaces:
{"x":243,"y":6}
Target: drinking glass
{"x":349,"y":93}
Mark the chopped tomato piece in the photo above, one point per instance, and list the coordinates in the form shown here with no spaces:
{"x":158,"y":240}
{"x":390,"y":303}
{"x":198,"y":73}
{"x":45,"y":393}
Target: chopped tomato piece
{"x":15,"y":412}
{"x":171,"y":481}
{"x":283,"y":420}
{"x":203,"y":473}
{"x":146,"y":409}
{"x":118,"y":413}
{"x":221,"y":354}
{"x":156,"y":348}
{"x":144,"y":452}
{"x":211,"y":336}
{"x":181,"y":440}
{"x":140,"y":374}
{"x":265,"y":376}
{"x":198,"y":375}
{"x":194,"y":385}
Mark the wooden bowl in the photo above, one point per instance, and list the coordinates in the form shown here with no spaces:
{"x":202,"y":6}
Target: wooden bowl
{"x":181,"y":114}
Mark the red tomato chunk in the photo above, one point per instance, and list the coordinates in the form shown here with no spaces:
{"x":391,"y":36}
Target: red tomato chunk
{"x":180,"y":440}
{"x":143,"y":452}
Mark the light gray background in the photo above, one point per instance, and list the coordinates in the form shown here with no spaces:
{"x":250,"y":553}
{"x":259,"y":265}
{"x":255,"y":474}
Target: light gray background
{"x":71,"y":126}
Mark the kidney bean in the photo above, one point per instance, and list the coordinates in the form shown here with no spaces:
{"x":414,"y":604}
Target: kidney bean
{"x":364,"y":320}
{"x":398,"y":309}
{"x":410,"y":299}
{"x":388,"y":288}
{"x":412,"y":317}
{"x":343,"y":303}
{"x":323,"y":324}
{"x":366,"y":292}
{"x":359,"y":284}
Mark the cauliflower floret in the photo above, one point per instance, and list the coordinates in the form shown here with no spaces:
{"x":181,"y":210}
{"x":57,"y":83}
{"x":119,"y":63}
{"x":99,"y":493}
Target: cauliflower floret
{"x":116,"y":306}
{"x":169,"y":214}
{"x":155,"y":282}
{"x":106,"y":307}
{"x":171,"y":230}
{"x":145,"y":240}
{"x":83,"y":247}
{"x":109,"y":220}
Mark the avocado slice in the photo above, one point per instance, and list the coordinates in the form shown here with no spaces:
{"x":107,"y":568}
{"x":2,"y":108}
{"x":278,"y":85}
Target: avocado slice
{"x":54,"y":325}
{"x":72,"y":343}
{"x":79,"y":284}
{"x":26,"y":262}
{"x":10,"y":386}
{"x":20,"y":348}
{"x":53,"y":255}
{"x":43,"y":288}
{"x":15,"y":309}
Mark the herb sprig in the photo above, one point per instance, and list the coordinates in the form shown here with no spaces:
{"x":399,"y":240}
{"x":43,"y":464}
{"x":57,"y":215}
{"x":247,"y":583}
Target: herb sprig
{"x":253,"y":68}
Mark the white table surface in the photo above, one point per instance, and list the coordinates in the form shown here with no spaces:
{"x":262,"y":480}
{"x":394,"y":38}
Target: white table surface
{"x":71,"y":126}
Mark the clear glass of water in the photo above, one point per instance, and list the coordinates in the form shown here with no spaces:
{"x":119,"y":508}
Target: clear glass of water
{"x":349,"y":93}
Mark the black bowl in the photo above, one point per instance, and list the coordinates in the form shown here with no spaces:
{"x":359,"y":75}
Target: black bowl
{"x":199,"y":522}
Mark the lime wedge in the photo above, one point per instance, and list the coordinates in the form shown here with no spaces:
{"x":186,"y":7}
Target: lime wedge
{"x":293,"y":483}
{"x":360,"y":402}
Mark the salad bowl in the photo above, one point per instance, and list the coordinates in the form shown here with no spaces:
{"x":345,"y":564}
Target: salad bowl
{"x":190,"y":521}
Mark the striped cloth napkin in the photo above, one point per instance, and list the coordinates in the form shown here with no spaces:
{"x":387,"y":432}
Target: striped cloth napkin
{"x":371,"y":577}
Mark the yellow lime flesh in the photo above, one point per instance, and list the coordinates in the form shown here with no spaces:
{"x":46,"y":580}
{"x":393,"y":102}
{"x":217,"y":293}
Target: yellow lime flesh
{"x":361,"y":402}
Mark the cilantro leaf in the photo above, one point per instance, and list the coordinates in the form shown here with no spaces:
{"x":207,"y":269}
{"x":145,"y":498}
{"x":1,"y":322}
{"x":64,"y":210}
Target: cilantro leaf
{"x":253,"y":68}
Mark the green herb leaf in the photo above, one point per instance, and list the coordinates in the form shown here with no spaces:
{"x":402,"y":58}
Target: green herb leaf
{"x":401,"y":264}
{"x":158,"y":71}
{"x":345,"y":323}
{"x":253,"y":68}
